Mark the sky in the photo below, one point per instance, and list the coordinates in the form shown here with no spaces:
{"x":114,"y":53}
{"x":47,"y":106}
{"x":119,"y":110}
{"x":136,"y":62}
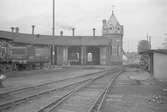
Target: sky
{"x":139,"y":17}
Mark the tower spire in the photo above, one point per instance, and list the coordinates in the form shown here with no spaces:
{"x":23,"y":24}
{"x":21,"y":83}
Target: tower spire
{"x":113,"y":20}
{"x":113,"y":6}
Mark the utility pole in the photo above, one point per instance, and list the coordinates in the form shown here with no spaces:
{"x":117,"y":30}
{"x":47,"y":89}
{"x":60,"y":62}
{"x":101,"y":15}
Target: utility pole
{"x":150,"y":41}
{"x":53,"y":31}
{"x":33,"y":29}
{"x":53,"y":34}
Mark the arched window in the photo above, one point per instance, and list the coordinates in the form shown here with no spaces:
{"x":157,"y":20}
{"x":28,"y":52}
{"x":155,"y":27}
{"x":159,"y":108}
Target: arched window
{"x":111,"y":28}
{"x":89,"y":57}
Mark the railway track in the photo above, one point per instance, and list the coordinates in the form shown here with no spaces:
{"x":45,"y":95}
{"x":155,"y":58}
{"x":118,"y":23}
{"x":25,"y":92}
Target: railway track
{"x":86,"y":98}
{"x":43,"y":84}
{"x":97,"y":107}
{"x":19,"y":96}
{"x":44,"y":98}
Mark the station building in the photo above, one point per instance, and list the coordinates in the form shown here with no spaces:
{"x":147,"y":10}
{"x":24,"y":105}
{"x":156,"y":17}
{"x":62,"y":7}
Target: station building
{"x":79,"y":50}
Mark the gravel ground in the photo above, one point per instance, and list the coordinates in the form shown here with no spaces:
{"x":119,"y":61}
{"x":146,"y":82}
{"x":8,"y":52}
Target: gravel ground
{"x":32,"y":78}
{"x":136,"y":91}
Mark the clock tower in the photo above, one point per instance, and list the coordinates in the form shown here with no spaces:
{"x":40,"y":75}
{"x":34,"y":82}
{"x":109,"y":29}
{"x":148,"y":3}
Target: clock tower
{"x":112,"y":26}
{"x":113,"y":31}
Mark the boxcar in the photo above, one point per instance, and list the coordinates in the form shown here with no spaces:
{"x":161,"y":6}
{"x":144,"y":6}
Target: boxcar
{"x":28,"y":57}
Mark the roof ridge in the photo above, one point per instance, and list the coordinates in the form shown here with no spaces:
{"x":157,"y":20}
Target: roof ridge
{"x":113,"y":20}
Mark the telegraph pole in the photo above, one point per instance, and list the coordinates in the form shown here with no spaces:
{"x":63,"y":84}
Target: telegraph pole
{"x":53,"y":31}
{"x":53,"y":34}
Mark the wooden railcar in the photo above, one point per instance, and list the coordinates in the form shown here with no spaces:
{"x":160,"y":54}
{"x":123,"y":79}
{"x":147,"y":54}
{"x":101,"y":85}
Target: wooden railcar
{"x":18,"y":57}
{"x":28,"y":57}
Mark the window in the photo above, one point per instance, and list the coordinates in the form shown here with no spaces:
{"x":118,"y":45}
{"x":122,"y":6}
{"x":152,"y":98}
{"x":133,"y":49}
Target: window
{"x":118,"y":51}
{"x":111,"y":28}
{"x":89,"y":57}
{"x":114,"y":51}
{"x":111,"y":50}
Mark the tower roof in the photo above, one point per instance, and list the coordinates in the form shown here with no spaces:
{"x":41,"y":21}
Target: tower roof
{"x":113,"y":20}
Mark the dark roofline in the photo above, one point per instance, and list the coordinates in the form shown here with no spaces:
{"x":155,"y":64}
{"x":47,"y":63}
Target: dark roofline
{"x":161,"y":51}
{"x":7,"y":39}
{"x":7,"y":33}
{"x":58,"y":40}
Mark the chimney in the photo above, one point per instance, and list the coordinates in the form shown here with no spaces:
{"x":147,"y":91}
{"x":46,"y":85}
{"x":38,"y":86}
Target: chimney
{"x":33,"y":29}
{"x":17,"y":29}
{"x":150,"y":41}
{"x":61,"y":33}
{"x":94,"y":32}
{"x":104,"y":21}
{"x":147,"y":38}
{"x":73,"y":32}
{"x":12,"y":29}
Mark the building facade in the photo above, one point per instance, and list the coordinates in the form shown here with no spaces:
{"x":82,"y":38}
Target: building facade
{"x":79,"y":50}
{"x":113,"y":31}
{"x":157,"y":63}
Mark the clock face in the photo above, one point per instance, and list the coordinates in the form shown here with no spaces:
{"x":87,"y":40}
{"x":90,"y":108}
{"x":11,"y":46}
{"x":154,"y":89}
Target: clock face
{"x":111,"y":27}
{"x":118,"y":28}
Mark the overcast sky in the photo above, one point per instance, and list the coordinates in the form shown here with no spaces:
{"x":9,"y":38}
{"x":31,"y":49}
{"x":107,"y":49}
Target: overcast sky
{"x":139,"y":17}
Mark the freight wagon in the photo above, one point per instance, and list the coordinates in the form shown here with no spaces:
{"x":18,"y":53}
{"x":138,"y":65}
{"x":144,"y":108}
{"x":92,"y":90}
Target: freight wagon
{"x":29,"y":57}
{"x":19,"y":57}
{"x":5,"y":62}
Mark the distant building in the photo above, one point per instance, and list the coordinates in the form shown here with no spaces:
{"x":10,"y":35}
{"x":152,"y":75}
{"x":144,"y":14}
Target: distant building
{"x":131,"y":58}
{"x":79,"y":50}
{"x":157,"y":63}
